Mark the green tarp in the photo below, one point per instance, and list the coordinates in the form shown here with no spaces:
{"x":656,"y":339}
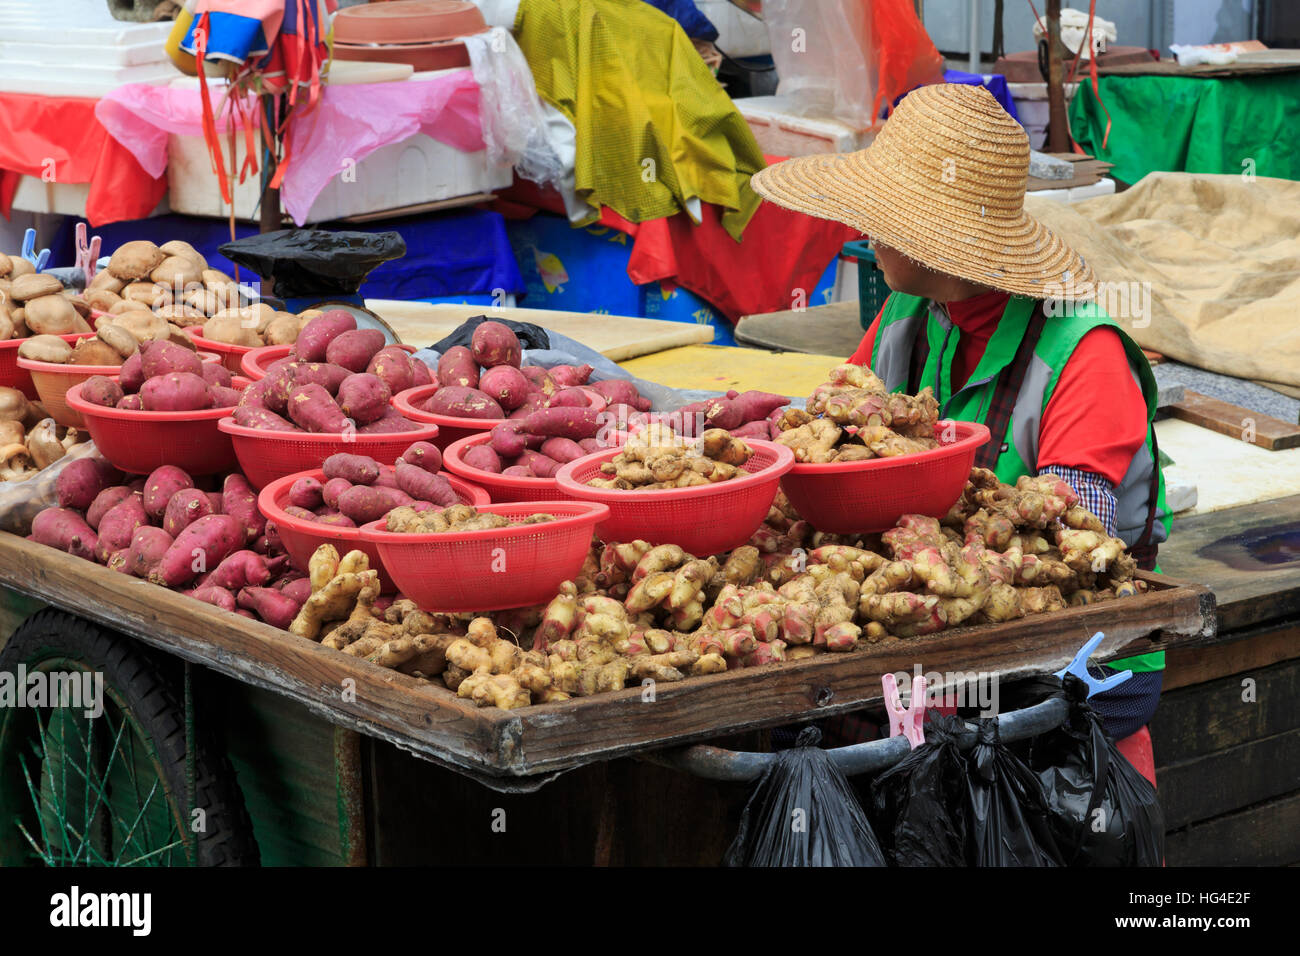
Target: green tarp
{"x":1188,"y":124}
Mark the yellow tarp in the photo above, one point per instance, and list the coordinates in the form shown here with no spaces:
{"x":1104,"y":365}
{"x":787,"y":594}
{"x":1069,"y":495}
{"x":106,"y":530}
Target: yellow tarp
{"x":720,"y":368}
{"x":654,"y":128}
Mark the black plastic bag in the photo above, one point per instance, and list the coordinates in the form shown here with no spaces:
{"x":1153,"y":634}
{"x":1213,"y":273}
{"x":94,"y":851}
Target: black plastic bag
{"x":1103,"y":812}
{"x":918,"y":805}
{"x":530,"y":336}
{"x":803,"y":813}
{"x":305,"y":263}
{"x":1007,"y":811}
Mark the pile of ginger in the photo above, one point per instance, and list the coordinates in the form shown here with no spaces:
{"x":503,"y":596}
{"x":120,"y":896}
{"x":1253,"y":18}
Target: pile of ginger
{"x":852,"y":417}
{"x":638,"y":613}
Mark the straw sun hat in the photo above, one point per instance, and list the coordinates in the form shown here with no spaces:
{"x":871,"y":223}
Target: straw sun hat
{"x":944,"y":184}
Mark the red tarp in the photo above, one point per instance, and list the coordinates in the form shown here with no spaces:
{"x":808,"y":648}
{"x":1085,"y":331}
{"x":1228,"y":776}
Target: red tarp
{"x":58,"y":139}
{"x":781,"y":251}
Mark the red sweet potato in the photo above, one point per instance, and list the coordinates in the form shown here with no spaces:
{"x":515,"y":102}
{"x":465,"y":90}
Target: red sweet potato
{"x":363,"y":504}
{"x":354,"y":349}
{"x":562,"y":450}
{"x":543,"y":466}
{"x":392,"y":422}
{"x":314,"y":339}
{"x":211,"y":594}
{"x":223,"y":397}
{"x":573,"y":423}
{"x":105,"y":500}
{"x":363,"y":397}
{"x":131,"y":375}
{"x":274,"y":607}
{"x":336,"y":519}
{"x":456,"y":366}
{"x":424,"y":455}
{"x":327,"y":376}
{"x":131,"y":403}
{"x":239,"y":501}
{"x":252,"y":417}
{"x":483,"y":458}
{"x":242,"y":569}
{"x":393,"y":366}
{"x":422,"y":486}
{"x":184,"y":508}
{"x":313,"y":408}
{"x":570,"y":398}
{"x":214,"y":373}
{"x":81,"y":481}
{"x":298,"y":590}
{"x":506,"y":385}
{"x":519,"y":471}
{"x":420,"y":374}
{"x":357,"y":469}
{"x":167,"y":358}
{"x":332,"y":489}
{"x":162,"y":483}
{"x":306,"y":493}
{"x":508,"y":439}
{"x":66,"y":530}
{"x":118,"y":526}
{"x":148,"y":545}
{"x":567,"y":376}
{"x":175,"y":392}
{"x":199,"y":548}
{"x":495,"y":344}
{"x":101,"y":390}
{"x":461,"y":402}
{"x":619,"y":391}
{"x":540,"y":378}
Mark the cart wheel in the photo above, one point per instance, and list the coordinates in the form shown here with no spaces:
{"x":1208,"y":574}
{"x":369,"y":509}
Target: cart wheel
{"x":110,"y":789}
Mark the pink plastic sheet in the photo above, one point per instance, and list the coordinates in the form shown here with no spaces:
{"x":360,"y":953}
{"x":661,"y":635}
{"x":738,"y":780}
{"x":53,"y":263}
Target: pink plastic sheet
{"x":350,"y":123}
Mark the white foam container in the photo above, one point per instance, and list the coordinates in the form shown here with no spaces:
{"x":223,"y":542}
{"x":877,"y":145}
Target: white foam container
{"x":415,"y":172}
{"x":781,"y":132}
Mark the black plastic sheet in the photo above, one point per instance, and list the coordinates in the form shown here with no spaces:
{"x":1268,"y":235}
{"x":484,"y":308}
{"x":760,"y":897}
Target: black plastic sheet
{"x":1007,"y":813}
{"x":1102,"y":811}
{"x":918,"y":805}
{"x":302,"y":263}
{"x":804,"y":813}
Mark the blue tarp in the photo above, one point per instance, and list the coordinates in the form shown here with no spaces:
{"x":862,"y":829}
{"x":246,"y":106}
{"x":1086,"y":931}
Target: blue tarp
{"x":464,"y":252}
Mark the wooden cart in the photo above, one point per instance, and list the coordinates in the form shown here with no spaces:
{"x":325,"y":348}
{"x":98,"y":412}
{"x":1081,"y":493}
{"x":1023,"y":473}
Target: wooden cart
{"x":317,"y":746}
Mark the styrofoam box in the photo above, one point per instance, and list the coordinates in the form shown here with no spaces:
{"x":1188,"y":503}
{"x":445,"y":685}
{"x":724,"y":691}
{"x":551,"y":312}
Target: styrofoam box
{"x":1031,"y":107}
{"x":782,"y":133}
{"x":415,"y":171}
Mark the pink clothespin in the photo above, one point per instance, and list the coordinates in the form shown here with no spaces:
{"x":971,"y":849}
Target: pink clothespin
{"x":907,"y":722}
{"x":87,"y":255}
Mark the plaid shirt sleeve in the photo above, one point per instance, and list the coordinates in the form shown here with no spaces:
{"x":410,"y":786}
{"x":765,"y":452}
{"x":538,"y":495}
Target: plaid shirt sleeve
{"x":1095,"y":492}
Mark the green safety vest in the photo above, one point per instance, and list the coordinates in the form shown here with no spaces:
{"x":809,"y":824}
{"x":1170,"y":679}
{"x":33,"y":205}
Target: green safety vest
{"x":905,"y":316}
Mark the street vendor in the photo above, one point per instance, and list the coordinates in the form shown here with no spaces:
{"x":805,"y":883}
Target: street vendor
{"x":990,"y":310}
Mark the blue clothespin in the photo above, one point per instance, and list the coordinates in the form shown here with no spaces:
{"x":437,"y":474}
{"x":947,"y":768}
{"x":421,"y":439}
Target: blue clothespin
{"x":1079,"y":668}
{"x":29,"y":251}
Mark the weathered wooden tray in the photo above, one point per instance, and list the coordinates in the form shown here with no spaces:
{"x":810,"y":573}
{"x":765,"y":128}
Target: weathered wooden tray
{"x":430,"y":721}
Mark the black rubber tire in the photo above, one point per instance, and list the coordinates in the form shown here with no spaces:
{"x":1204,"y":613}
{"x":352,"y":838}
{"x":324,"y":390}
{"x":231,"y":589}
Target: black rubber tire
{"x":155,"y":701}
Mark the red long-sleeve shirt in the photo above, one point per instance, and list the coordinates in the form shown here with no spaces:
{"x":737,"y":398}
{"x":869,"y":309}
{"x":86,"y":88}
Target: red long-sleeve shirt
{"x":1096,"y":419}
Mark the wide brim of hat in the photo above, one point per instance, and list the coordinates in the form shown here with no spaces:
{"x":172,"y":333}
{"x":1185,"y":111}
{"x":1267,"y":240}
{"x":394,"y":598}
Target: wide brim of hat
{"x":1018,"y":255}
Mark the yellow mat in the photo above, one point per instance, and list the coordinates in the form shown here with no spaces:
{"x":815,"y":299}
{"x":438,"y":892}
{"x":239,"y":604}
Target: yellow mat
{"x":719,"y":368}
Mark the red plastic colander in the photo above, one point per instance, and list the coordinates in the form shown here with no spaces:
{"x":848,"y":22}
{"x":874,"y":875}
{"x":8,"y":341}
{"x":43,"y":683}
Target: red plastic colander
{"x":301,"y":538}
{"x":52,"y":381}
{"x":704,"y":520}
{"x":255,"y":362}
{"x":267,"y":455}
{"x":500,"y":487}
{"x":230,"y":355}
{"x":862,"y":497}
{"x":518,"y":566}
{"x":14,"y":376}
{"x":452,"y":429}
{"x":139,"y":441}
